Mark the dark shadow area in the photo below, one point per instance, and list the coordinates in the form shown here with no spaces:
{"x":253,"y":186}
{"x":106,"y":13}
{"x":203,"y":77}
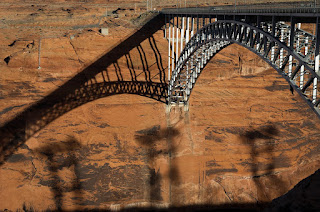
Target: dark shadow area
{"x":59,"y":156}
{"x":149,"y":139}
{"x":262,"y":144}
{"x":305,"y":196}
{"x":86,"y":87}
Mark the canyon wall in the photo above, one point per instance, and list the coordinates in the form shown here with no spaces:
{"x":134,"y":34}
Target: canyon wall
{"x":245,"y":140}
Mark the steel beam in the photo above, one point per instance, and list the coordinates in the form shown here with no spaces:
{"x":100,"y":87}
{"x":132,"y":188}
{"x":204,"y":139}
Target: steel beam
{"x":291,"y":43}
{"x":169,"y":51}
{"x":182,"y":33}
{"x":316,"y":62}
{"x":177,"y":40}
{"x":172,"y":46}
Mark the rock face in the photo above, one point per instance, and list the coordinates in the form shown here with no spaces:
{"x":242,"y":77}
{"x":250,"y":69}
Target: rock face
{"x":245,"y":141}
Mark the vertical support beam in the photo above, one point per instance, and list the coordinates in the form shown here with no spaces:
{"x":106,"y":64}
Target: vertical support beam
{"x":281,"y":50}
{"x":203,"y":30}
{"x":203,"y":21}
{"x":169,"y":50}
{"x":241,"y":32}
{"x":172,"y":46}
{"x":258,"y":21}
{"x":298,"y":37}
{"x":265,"y":42}
{"x":269,"y":28}
{"x":273,"y":25}
{"x":302,"y":67}
{"x":182,"y":33}
{"x":206,"y":54}
{"x":187,"y":79}
{"x":247,"y":35}
{"x":203,"y":37}
{"x":258,"y":34}
{"x":316,"y":62}
{"x":191,"y":73}
{"x":197,"y":23}
{"x":192,"y":27}
{"x":177,"y":40}
{"x":273,"y":34}
{"x":292,"y":35}
{"x":209,"y":31}
{"x":188,"y":30}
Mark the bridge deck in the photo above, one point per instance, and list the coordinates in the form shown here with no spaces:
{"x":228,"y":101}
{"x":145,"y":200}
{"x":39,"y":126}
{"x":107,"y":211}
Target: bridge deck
{"x":298,"y":9}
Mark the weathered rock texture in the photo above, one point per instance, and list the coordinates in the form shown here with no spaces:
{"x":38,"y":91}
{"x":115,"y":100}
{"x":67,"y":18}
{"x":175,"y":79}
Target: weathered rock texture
{"x":245,"y":141}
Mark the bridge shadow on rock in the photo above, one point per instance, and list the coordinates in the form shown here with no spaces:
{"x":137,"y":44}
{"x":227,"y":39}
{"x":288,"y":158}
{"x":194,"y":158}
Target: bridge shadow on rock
{"x":61,"y":156}
{"x":263,"y":161}
{"x":150,"y":139}
{"x":305,"y":196}
{"x":103,"y":78}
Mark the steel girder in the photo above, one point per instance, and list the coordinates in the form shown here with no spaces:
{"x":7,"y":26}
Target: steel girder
{"x":294,"y":61}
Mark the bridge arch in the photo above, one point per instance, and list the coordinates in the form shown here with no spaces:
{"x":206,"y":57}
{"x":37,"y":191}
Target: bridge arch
{"x":273,"y":47}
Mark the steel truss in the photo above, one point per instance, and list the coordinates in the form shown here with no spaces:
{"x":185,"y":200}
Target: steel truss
{"x":293,"y":52}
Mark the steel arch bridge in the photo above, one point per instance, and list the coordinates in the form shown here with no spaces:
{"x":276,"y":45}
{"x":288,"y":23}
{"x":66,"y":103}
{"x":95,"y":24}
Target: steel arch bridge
{"x":195,"y":35}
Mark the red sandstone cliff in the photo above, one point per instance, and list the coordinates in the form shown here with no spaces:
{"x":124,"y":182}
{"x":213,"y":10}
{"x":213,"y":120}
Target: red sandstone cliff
{"x":246,"y":139}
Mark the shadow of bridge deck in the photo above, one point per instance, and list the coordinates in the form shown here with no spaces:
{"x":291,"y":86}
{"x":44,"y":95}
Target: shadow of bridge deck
{"x":84,"y":87}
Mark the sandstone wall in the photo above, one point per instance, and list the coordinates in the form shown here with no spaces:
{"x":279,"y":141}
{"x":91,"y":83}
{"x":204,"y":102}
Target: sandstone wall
{"x":245,"y":140}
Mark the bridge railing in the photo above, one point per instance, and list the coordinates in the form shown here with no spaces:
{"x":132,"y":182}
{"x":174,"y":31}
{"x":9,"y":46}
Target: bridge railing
{"x":256,"y":9}
{"x":275,"y":10}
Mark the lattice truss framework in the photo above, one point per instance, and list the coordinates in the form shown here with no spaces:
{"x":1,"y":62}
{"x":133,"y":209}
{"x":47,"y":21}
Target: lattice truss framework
{"x":287,"y":48}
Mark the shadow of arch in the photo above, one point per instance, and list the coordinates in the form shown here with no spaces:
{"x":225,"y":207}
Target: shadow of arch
{"x":262,"y":141}
{"x":149,"y":139}
{"x":86,"y":87}
{"x":52,"y":155}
